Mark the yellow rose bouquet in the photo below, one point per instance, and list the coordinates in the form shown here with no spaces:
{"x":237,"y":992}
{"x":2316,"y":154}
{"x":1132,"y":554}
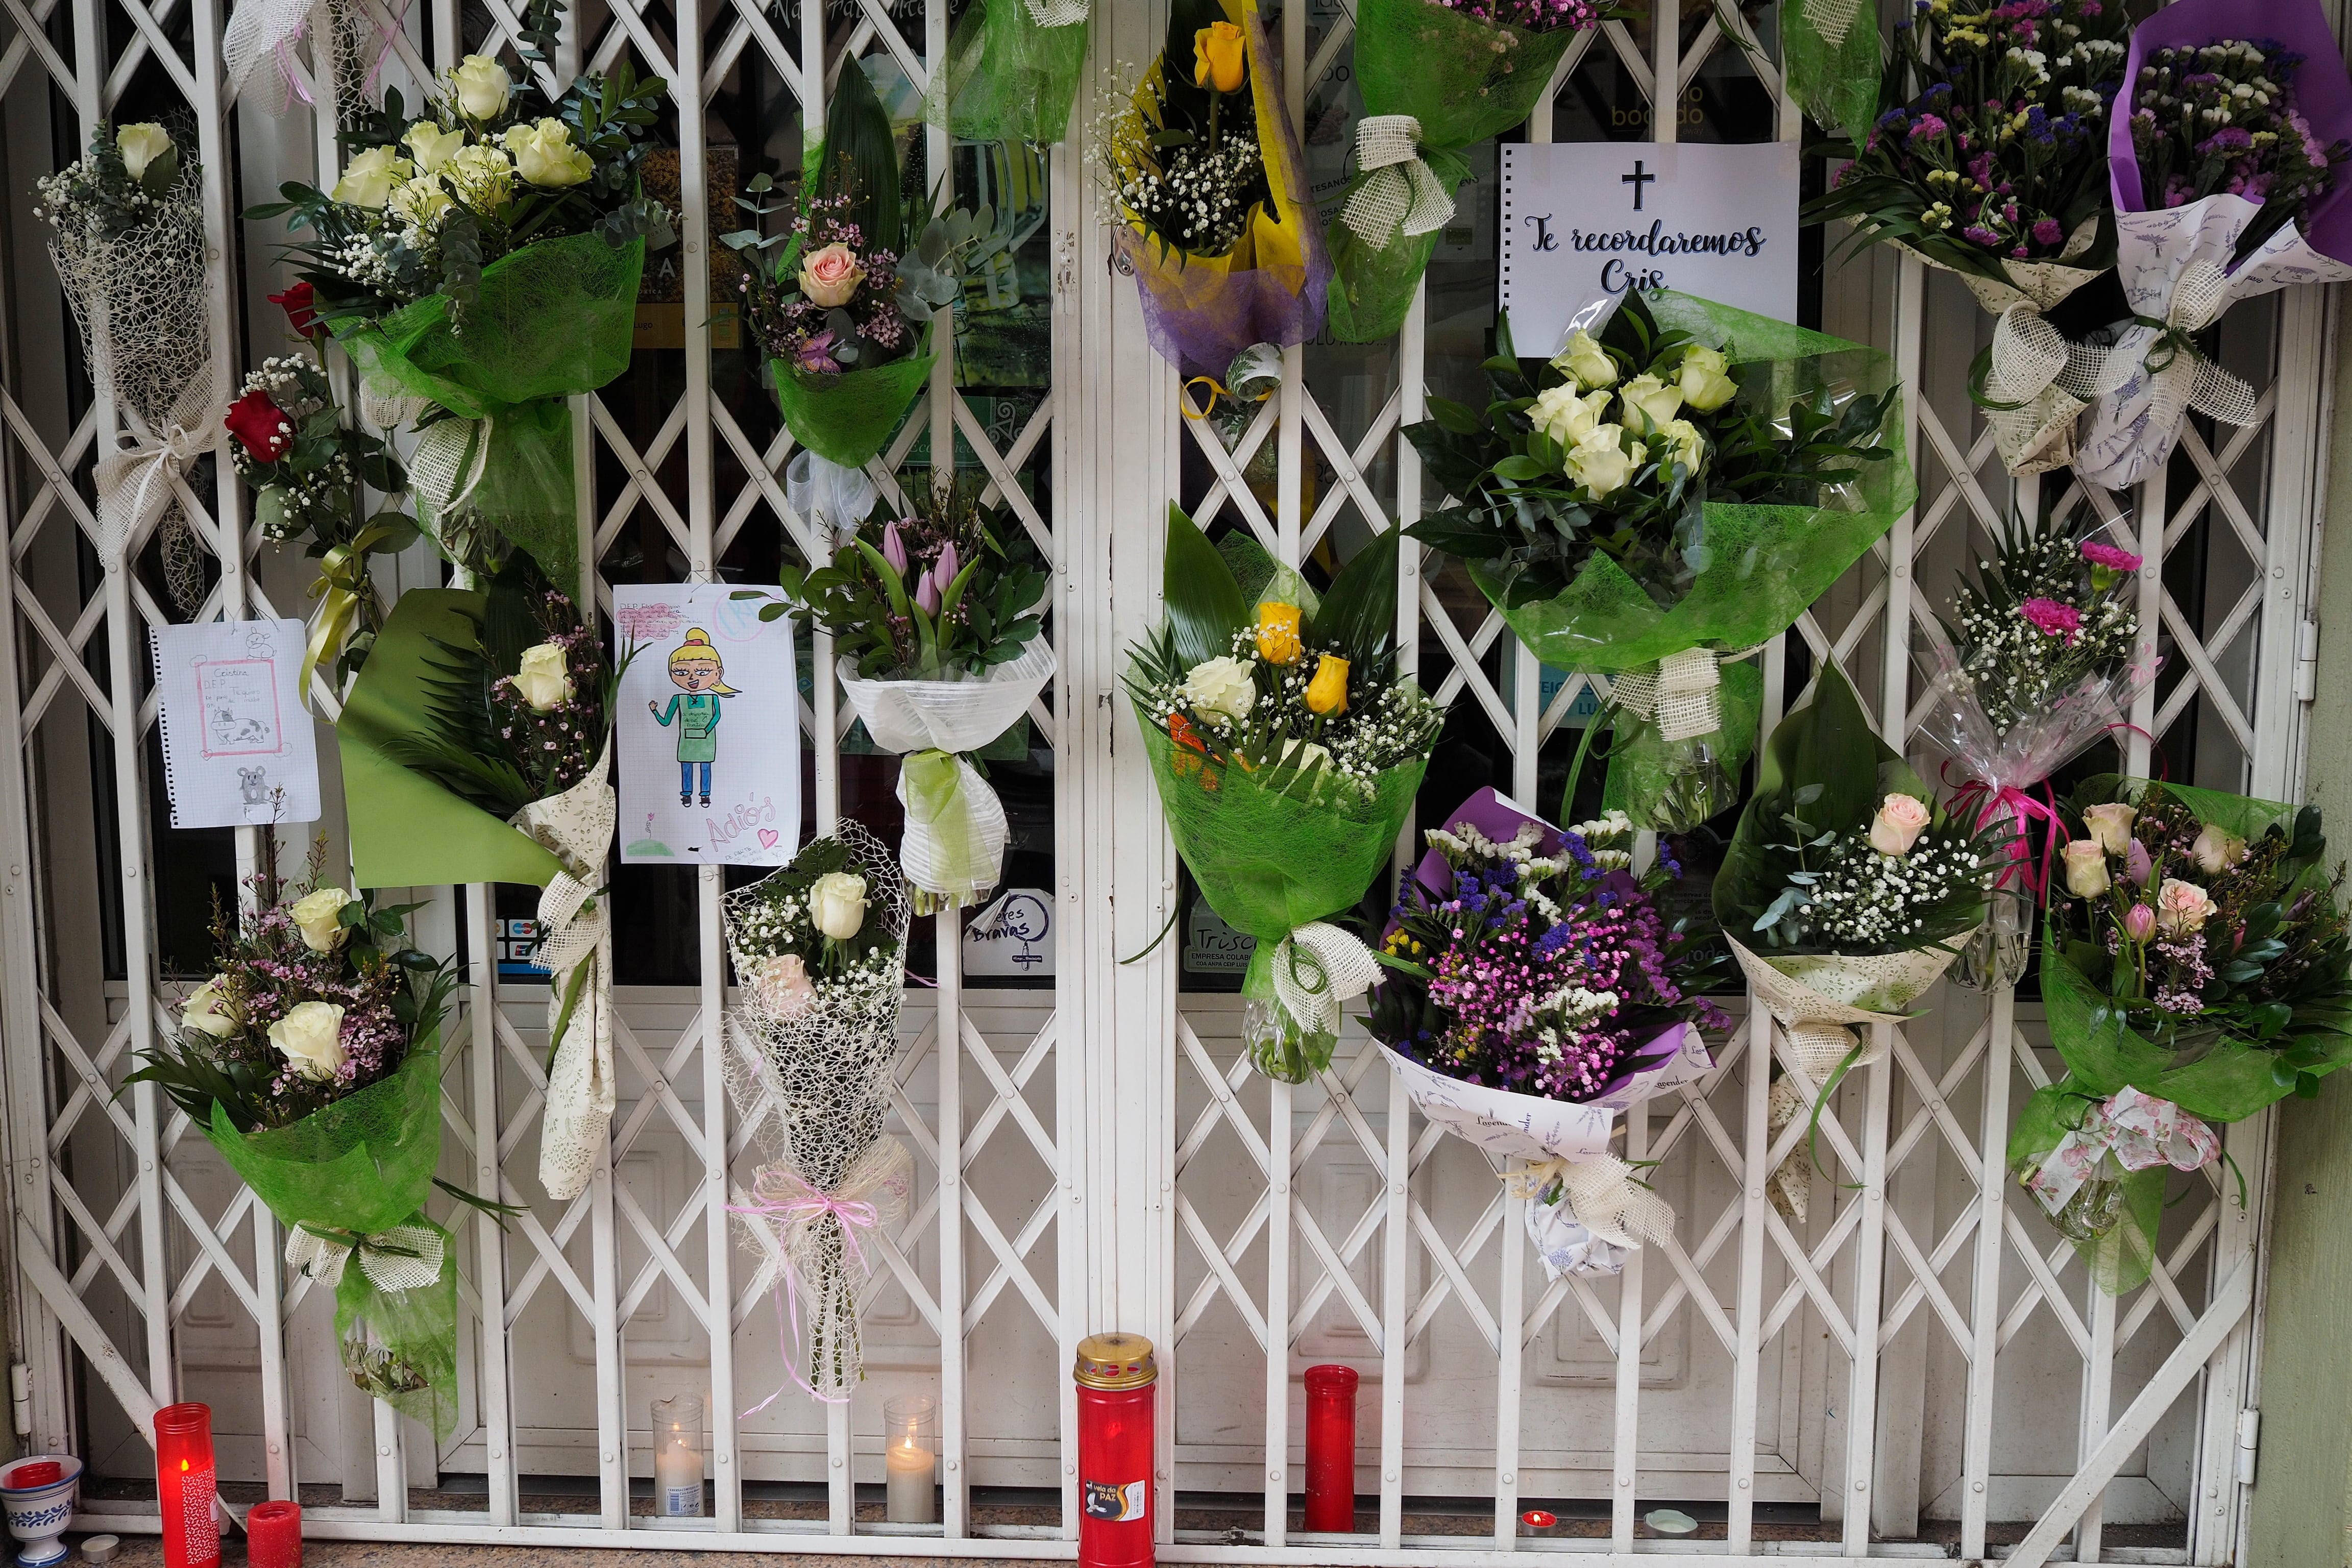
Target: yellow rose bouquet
{"x":479,"y":262}
{"x":1658,"y":499}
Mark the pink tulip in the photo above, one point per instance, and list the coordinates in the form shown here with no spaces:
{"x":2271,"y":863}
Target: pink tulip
{"x":926,"y":594}
{"x":946,"y":569}
{"x":2137,"y":867}
{"x":2139,"y":922}
{"x":894,"y":549}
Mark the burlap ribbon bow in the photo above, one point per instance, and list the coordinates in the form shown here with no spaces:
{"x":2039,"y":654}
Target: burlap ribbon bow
{"x":135,"y":484}
{"x":1319,"y":967}
{"x":2184,"y":379}
{"x":1680,"y":694}
{"x":408,"y":1256}
{"x":1602,"y":1194}
{"x":1398,"y":190}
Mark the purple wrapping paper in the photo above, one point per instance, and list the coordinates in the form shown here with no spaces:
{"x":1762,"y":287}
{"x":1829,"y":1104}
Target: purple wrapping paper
{"x":1199,"y":319}
{"x":2323,"y":92}
{"x":1500,"y":821}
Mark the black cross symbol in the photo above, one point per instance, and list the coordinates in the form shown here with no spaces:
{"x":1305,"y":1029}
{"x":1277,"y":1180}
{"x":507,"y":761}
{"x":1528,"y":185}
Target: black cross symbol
{"x":1637,"y":180}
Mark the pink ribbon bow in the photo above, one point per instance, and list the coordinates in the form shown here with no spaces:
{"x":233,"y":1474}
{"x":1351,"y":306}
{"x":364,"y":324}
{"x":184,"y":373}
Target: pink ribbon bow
{"x":2140,"y":1131}
{"x":1978,"y":802}
{"x":784,"y":1199}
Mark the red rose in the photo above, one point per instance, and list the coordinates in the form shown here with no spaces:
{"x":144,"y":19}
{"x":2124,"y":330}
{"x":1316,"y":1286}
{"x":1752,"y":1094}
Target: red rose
{"x":261,"y":424}
{"x":302,"y":313}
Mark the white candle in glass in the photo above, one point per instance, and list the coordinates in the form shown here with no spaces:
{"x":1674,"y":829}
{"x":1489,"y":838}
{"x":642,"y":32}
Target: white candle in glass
{"x":678,"y":1462}
{"x":911,"y":1469}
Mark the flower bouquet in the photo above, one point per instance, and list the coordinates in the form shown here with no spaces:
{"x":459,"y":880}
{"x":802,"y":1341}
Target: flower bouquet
{"x":1014,"y":68}
{"x":312,"y":1061}
{"x":1680,"y":488}
{"x":2225,"y":185}
{"x":1206,"y":192}
{"x":2037,"y":665}
{"x":129,"y":250}
{"x":480,"y":264}
{"x":1437,"y":77}
{"x":1846,"y":890}
{"x":475,"y":745}
{"x":818,"y":949}
{"x":1535,"y":989}
{"x":2197,"y":970}
{"x":836,"y":312}
{"x":307,"y":464}
{"x":937,"y":621}
{"x":1287,"y":753}
{"x":1993,"y":169}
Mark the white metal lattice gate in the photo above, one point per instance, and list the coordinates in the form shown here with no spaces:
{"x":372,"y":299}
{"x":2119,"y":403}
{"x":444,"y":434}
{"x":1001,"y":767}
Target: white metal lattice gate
{"x":1908,"y":1354}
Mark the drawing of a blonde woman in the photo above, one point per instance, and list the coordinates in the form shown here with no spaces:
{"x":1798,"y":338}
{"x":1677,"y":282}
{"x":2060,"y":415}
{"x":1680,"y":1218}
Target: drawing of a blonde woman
{"x":695,"y":671}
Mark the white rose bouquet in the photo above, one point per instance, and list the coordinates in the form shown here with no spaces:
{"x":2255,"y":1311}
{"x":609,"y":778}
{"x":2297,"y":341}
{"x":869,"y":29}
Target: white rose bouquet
{"x":819,"y":953}
{"x":312,"y":1061}
{"x":480,"y":260}
{"x":476,"y":747}
{"x":2195,"y":967}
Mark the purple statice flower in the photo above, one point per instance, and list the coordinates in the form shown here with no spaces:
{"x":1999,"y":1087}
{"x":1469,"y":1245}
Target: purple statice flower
{"x":2046,"y":231}
{"x":1929,"y":125}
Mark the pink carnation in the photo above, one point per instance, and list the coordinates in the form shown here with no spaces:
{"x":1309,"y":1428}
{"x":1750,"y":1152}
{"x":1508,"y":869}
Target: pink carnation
{"x":2109,"y":556}
{"x":2050,"y":615}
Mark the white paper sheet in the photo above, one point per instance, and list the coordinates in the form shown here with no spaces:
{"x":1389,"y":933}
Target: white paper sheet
{"x":238,"y":746}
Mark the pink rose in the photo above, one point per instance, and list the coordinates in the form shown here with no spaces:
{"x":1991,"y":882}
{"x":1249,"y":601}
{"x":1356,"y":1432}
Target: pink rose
{"x":782,"y":984}
{"x":829,"y":277}
{"x":1901,"y":819}
{"x":2183,"y":906}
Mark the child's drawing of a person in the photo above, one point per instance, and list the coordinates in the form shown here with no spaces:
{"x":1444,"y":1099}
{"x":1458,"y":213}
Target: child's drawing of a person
{"x":695,"y":669}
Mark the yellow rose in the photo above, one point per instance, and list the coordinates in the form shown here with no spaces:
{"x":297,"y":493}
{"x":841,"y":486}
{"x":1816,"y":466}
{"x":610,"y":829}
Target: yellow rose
{"x":141,"y":145}
{"x":319,"y":918}
{"x":1706,"y":379}
{"x":1599,"y":462}
{"x":1219,"y":58}
{"x":202,"y":1011}
{"x":311,"y":1037}
{"x":837,"y":904}
{"x":481,"y":87}
{"x":2086,"y":869}
{"x":1651,"y":399}
{"x":1327,"y":694}
{"x":1561,"y":412}
{"x":369,"y":178}
{"x":431,"y":146}
{"x":421,"y":201}
{"x":1277,"y":632}
{"x":1585,"y":362}
{"x":483,"y":178}
{"x":543,"y":679}
{"x":830,"y":276}
{"x":544,"y":155}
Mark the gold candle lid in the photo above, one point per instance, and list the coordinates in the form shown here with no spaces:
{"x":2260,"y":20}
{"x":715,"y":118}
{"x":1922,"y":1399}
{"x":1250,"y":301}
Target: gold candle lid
{"x":1115,"y":1361}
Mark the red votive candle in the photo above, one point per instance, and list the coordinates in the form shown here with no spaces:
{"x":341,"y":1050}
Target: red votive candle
{"x":274,"y":1533}
{"x":1117,"y":1437}
{"x":186,"y":1485}
{"x":1330,"y":1449}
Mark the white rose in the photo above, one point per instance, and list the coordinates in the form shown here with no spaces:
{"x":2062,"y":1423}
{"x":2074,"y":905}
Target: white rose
{"x":544,"y":155}
{"x":484,"y":179}
{"x":1685,"y":443}
{"x":1651,"y":398}
{"x":2086,"y":869}
{"x":311,"y":1037}
{"x":2183,"y":906}
{"x":369,"y":178}
{"x":1566,"y":415}
{"x":1220,"y":689}
{"x":481,"y":86}
{"x":542,"y":679}
{"x":2217,"y":849}
{"x":431,"y":146}
{"x":141,"y":145}
{"x":1586,"y":361}
{"x":420,"y":201}
{"x":318,"y":918}
{"x":2111,"y":824}
{"x":1900,"y":819}
{"x":837,"y":904}
{"x":202,"y":1011}
{"x":1706,"y":379}
{"x":1599,"y":462}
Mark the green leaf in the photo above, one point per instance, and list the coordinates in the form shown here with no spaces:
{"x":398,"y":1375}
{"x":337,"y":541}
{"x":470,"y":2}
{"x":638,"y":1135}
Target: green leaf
{"x":1204,"y":602}
{"x":1357,"y":616}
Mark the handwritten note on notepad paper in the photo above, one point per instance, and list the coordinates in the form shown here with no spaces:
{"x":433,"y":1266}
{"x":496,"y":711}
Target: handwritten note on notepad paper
{"x":238,"y":746}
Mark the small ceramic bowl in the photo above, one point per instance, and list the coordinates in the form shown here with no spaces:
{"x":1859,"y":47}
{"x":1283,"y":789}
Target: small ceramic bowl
{"x":37,"y":1495}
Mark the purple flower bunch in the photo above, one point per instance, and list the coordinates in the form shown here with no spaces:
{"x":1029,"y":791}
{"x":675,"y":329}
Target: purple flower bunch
{"x":1538,"y":973}
{"x":2000,"y":155}
{"x":2221,"y":120}
{"x":1535,"y":15}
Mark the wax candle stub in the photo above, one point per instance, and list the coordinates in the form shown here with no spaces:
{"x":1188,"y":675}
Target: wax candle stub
{"x":677,"y":1457}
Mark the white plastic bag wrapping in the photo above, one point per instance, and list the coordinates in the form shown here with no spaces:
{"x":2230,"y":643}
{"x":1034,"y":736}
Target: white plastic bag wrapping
{"x":1600,"y":1213}
{"x":954,"y":845}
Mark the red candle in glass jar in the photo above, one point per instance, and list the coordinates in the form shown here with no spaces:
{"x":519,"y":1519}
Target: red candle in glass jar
{"x":273,"y":1535}
{"x":186,"y":1485}
{"x":1331,"y":1448}
{"x":1116,"y":1437}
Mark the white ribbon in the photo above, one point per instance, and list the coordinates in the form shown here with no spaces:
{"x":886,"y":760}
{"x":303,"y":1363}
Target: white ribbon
{"x":408,"y":1256}
{"x":450,"y":457}
{"x":576,"y":929}
{"x":1680,"y":694}
{"x":1603,"y":1197}
{"x":135,"y":484}
{"x":1317,"y":968}
{"x":1397,"y":190}
{"x":2139,"y":1130}
{"x":821,"y":489}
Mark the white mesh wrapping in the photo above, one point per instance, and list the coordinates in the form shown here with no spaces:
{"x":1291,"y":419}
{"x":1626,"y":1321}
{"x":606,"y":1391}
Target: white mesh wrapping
{"x":257,"y":50}
{"x":813,"y":1088}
